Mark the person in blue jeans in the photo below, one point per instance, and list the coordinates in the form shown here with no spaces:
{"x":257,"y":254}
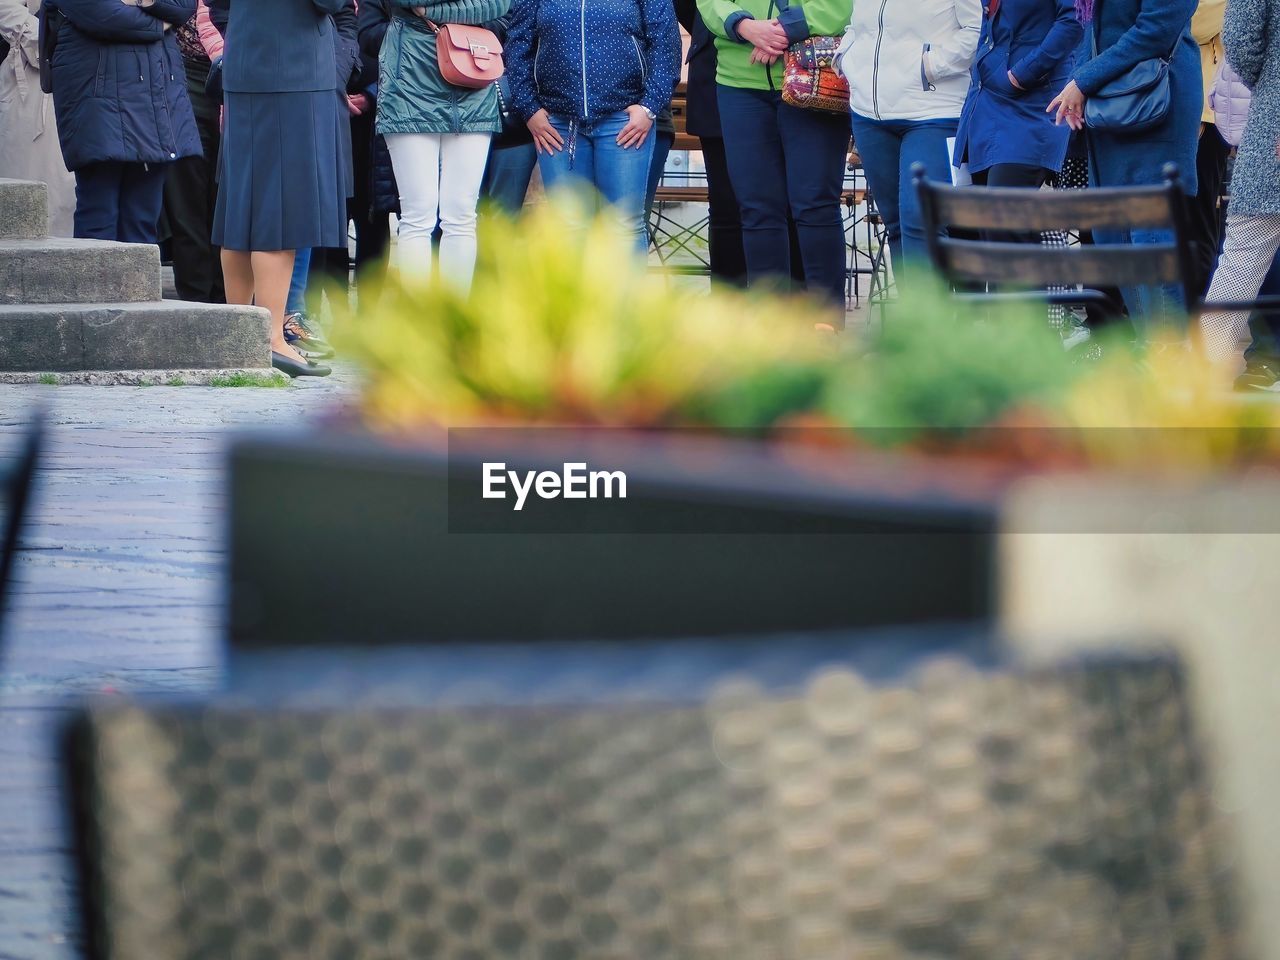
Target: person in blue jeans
{"x":590,"y":79}
{"x":907,"y":94}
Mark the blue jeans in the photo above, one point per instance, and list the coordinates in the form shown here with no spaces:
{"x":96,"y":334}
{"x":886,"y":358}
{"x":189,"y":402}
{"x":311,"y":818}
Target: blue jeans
{"x":1265,"y":327}
{"x":888,"y":149}
{"x":786,"y":160}
{"x":297,"y":302}
{"x":591,"y":156}
{"x":507,"y":176}
{"x":1150,"y":304}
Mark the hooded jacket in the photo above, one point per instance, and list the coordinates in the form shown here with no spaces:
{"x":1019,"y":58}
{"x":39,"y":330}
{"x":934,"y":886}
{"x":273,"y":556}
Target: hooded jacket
{"x":801,"y":19}
{"x":119,"y":88}
{"x":587,"y":59}
{"x":910,"y":61}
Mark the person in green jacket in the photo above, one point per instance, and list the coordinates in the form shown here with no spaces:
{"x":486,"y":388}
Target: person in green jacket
{"x":438,"y":136}
{"x":782,"y":159}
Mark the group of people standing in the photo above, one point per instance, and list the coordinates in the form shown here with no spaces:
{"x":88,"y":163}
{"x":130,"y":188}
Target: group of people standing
{"x":326,"y":100}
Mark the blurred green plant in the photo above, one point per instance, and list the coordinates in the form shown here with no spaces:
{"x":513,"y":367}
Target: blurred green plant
{"x":939,"y":367}
{"x":564,"y":325}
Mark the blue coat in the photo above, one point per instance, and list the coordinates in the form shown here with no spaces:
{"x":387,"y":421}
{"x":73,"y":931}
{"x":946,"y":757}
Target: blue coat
{"x":278,"y":46}
{"x":631,"y":48}
{"x":119,"y":87}
{"x":1036,"y":40}
{"x":1128,"y":32}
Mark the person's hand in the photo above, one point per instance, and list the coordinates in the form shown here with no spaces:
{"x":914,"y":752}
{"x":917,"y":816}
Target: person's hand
{"x":1070,"y":107}
{"x":637,"y":129}
{"x":758,"y":56}
{"x":767,"y":36}
{"x":357,"y":103}
{"x":1014,"y":81}
{"x":546,"y":138}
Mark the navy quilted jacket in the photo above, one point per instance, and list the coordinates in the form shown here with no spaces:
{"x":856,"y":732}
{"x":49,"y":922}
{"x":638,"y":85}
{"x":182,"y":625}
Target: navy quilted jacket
{"x":119,"y":88}
{"x":586,"y":59}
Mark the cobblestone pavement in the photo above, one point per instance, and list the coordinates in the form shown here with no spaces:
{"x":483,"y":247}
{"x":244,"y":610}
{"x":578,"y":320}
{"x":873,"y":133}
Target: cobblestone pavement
{"x":118,"y":589}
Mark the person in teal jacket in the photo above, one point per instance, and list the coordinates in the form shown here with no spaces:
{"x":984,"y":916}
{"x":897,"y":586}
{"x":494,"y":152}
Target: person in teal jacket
{"x":438,"y":136}
{"x":782,"y":159}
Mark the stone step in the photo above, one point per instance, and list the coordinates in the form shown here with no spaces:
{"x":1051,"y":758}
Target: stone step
{"x":24,"y":210}
{"x":78,"y":271}
{"x":165,"y":335}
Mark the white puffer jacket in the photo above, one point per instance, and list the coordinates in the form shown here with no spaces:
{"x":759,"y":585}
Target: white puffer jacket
{"x":910,"y":59}
{"x":1229,"y":100}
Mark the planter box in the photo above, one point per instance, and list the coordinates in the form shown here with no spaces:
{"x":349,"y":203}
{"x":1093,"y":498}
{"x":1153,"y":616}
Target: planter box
{"x":348,"y":539}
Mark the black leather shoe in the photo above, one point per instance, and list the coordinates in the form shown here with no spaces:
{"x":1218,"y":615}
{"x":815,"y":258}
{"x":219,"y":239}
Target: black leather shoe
{"x":295,"y":368}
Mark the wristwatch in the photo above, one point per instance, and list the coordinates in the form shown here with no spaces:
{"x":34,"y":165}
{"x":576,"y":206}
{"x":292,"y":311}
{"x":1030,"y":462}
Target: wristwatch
{"x":649,"y":113}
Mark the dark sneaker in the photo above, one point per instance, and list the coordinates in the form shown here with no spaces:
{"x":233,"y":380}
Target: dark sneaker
{"x":303,"y":335}
{"x":1261,"y":375}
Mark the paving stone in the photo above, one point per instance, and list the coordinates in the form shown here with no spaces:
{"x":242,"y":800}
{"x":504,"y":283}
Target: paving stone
{"x":118,"y":589}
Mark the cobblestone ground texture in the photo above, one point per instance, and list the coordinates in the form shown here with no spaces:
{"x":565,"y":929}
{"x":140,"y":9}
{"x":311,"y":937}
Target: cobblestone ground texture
{"x":118,"y":590}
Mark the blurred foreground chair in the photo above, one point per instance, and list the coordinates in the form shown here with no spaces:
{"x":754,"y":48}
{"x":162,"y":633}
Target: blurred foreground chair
{"x":1057,"y":813}
{"x":15,"y":493}
{"x":959,"y":221}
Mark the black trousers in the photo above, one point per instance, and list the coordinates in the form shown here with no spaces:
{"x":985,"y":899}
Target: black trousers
{"x":1205,"y":215}
{"x":724,"y":233}
{"x":331,"y":267}
{"x":786,"y":161}
{"x":1018,"y":175}
{"x":190,"y":194}
{"x":119,"y":201}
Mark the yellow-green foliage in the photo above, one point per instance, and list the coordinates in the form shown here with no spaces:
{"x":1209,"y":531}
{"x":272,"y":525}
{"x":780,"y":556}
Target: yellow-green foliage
{"x":565,"y":325}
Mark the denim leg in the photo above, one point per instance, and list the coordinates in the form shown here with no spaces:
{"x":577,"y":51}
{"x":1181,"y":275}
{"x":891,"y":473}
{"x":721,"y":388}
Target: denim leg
{"x":622,"y":174}
{"x":815,"y":145}
{"x":880,"y":146}
{"x":573,"y":165}
{"x":1147,"y":304}
{"x":923,"y":141}
{"x":507,"y":176}
{"x":1265,"y":326}
{"x":757,"y":171}
{"x":297,"y":302}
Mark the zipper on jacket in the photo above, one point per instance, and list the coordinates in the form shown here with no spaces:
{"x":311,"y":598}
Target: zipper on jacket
{"x":644,"y":74}
{"x":875,"y":65}
{"x":582,"y":23}
{"x":768,"y":70}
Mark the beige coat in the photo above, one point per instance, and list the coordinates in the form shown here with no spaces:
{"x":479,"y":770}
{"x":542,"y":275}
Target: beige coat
{"x":1206,"y":27}
{"x":29,"y":148}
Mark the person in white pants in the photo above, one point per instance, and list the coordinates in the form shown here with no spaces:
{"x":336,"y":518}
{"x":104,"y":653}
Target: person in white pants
{"x":438,"y":136}
{"x":1253,"y":217}
{"x":439,"y":175}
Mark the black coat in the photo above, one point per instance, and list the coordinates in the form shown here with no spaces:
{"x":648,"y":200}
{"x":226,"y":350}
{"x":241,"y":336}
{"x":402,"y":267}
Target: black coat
{"x":703,"y":116}
{"x":119,"y":88}
{"x":375,"y":16}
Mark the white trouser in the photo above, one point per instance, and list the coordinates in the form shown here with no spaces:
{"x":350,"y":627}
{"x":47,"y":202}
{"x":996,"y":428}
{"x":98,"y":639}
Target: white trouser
{"x":1247,"y":252}
{"x":439,"y":176}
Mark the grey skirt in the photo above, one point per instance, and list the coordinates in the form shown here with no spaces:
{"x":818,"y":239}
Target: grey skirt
{"x":284,"y":172}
